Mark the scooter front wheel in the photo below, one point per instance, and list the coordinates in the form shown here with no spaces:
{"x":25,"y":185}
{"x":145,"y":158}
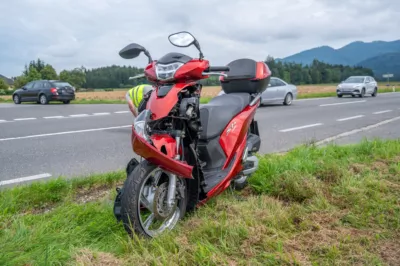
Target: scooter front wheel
{"x":143,"y":202}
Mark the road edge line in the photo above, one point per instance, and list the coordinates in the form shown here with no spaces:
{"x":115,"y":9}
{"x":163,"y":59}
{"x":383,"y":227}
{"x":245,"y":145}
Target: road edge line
{"x":24,"y":179}
{"x":355,"y":131}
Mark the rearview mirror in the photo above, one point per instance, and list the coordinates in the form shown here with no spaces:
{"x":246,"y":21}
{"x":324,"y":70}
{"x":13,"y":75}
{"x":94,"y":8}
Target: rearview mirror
{"x":181,"y":39}
{"x":24,"y":88}
{"x":131,"y":51}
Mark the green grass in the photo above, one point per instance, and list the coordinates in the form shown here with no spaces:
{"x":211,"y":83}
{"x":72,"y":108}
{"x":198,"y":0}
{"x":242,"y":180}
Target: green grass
{"x":322,"y":206}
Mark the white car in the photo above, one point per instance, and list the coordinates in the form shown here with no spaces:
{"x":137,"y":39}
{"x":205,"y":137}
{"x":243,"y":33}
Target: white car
{"x":357,"y":85}
{"x":278,"y":91}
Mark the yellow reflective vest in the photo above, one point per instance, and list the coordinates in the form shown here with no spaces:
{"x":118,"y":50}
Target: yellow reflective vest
{"x":136,"y":93}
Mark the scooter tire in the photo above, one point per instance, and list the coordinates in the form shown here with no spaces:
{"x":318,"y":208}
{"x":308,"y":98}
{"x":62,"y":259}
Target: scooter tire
{"x":130,"y":199}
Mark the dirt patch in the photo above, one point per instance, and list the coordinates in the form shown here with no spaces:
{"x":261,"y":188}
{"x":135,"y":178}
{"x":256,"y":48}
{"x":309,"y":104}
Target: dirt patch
{"x":247,"y":192}
{"x":357,"y":168}
{"x":84,"y":195}
{"x":390,"y":251}
{"x":87,"y":257}
{"x":380,"y":166}
{"x":325,"y":231}
{"x":330,"y":174}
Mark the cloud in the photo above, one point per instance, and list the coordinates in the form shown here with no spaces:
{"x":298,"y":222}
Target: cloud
{"x":70,"y":33}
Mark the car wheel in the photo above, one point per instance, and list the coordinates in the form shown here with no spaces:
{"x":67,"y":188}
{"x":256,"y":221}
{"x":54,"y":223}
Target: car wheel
{"x":362,"y":93}
{"x":288,"y":99}
{"x":340,"y":95}
{"x":375,"y":92}
{"x":17,"y":99}
{"x":66,"y":102}
{"x":43,"y":99}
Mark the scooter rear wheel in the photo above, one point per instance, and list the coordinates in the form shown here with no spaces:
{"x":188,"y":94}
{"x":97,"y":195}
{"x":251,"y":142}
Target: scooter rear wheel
{"x":143,"y":201}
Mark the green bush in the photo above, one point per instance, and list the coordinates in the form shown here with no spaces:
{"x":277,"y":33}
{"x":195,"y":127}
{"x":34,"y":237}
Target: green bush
{"x":3,"y":92}
{"x":9,"y":92}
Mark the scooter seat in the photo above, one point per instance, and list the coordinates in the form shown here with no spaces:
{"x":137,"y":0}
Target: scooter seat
{"x":216,"y":115}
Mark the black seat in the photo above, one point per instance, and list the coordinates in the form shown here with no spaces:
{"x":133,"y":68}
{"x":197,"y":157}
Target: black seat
{"x":216,"y":115}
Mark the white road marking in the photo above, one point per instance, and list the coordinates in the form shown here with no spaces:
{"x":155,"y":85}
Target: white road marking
{"x":3,"y":121}
{"x":382,"y":112}
{"x":79,"y":115}
{"x":64,"y":133}
{"x":332,"y":104}
{"x":121,"y":112}
{"x":101,"y":113}
{"x":297,"y":128}
{"x":355,"y":131}
{"x":23,"y":119}
{"x":350,"y":118}
{"x":53,"y":117}
{"x":23,"y":179}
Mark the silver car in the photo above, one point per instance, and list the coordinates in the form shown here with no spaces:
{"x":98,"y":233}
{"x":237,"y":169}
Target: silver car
{"x":357,"y":85}
{"x":278,"y":91}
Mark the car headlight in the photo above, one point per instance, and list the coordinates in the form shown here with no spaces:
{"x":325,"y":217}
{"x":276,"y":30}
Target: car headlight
{"x":166,"y":72}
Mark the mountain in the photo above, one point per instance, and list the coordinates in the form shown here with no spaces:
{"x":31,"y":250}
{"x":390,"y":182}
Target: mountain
{"x":382,"y":56}
{"x":7,"y":80}
{"x":324,"y":54}
{"x":384,"y":64}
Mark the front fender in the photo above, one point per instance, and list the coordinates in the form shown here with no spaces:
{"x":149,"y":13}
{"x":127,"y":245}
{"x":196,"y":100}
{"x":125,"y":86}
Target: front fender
{"x":160,"y":154}
{"x":165,"y":144}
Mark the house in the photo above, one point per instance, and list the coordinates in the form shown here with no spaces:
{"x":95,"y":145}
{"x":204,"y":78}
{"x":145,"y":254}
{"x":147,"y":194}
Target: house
{"x":7,"y":80}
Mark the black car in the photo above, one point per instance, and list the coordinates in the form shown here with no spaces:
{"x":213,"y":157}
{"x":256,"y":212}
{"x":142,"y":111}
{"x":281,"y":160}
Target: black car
{"x":44,"y":91}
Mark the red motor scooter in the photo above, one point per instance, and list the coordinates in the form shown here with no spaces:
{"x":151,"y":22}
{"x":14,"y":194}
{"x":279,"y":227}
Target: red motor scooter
{"x":190,"y":152}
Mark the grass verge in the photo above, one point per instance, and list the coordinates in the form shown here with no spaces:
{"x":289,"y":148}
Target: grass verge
{"x":326,"y":206}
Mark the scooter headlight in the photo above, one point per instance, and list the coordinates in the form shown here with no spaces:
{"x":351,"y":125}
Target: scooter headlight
{"x":166,"y":72}
{"x":141,"y":123}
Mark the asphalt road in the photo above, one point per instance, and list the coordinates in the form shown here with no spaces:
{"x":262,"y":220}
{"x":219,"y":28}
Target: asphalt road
{"x":72,"y":140}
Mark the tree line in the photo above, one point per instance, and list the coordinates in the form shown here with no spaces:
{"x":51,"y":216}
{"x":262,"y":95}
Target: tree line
{"x":316,"y":73}
{"x":118,"y":76}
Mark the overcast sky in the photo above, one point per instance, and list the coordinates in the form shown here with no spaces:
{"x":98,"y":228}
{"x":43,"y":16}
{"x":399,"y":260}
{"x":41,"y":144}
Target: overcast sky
{"x":71,"y":33}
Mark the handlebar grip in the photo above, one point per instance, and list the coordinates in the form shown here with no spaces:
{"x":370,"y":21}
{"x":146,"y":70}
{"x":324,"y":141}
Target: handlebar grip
{"x":218,"y":68}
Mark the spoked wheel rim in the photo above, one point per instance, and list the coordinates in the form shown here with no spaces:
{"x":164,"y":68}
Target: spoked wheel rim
{"x":42,"y":99}
{"x":152,"y":194}
{"x":289,"y":99}
{"x":16,"y":99}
